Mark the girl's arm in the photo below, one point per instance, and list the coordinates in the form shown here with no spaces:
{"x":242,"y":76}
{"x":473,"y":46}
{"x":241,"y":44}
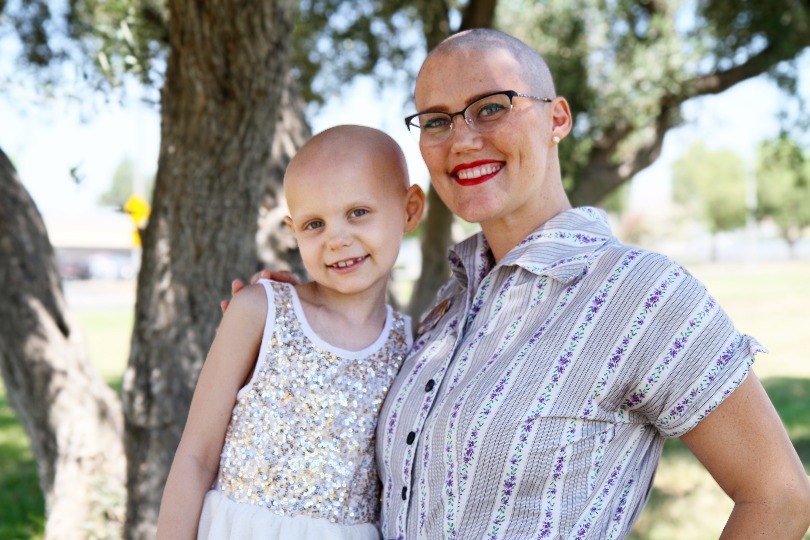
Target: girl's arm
{"x":744,"y":446}
{"x":229,"y":363}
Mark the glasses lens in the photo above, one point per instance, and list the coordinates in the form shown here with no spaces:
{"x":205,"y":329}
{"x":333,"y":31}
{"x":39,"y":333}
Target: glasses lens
{"x":432,"y":127}
{"x":485,"y":113}
{"x":414,"y":131}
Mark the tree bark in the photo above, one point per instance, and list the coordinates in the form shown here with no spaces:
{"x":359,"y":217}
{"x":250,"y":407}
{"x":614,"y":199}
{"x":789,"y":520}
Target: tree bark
{"x":72,"y":418}
{"x":436,"y":238}
{"x":275,"y":242}
{"x":226,"y":68}
{"x":478,"y":14}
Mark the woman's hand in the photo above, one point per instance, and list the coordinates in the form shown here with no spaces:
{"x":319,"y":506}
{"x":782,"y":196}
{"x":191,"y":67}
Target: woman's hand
{"x":237,"y":284}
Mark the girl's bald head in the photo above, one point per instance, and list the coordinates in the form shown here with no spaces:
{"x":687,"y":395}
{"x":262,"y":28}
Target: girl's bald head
{"x":367,"y":148}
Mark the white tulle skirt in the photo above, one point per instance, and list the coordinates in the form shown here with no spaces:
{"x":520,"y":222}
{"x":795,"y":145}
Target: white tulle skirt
{"x":224,"y":519}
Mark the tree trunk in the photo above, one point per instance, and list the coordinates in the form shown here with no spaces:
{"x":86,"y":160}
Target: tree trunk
{"x":791,"y":240}
{"x":436,"y":237}
{"x":226,"y":68}
{"x":72,"y":418}
{"x":275,"y":242}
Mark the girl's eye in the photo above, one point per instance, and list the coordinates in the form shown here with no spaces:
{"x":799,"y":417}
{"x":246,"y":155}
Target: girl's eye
{"x":358,"y":212}
{"x":312,"y":225}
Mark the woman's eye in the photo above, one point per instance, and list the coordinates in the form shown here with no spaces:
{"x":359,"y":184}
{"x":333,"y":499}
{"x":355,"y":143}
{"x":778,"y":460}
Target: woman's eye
{"x":436,"y":122}
{"x":312,"y":225}
{"x":490,"y":109}
{"x":359,"y":212}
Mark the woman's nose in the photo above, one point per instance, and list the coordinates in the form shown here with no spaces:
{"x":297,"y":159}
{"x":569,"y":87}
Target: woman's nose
{"x":464,"y":136}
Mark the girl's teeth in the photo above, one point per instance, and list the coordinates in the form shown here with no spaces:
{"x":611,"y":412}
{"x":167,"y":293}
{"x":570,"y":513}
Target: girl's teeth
{"x":344,"y":264}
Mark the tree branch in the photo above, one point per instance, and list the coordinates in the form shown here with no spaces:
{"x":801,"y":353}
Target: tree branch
{"x":605,"y":172}
{"x":719,"y":81}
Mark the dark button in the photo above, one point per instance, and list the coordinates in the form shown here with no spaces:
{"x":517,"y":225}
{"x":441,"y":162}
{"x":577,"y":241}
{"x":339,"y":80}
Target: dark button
{"x":411,"y":437}
{"x":404,"y":493}
{"x":429,"y":386}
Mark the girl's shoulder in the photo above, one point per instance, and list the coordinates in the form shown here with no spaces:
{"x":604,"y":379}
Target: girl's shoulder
{"x":251,"y":301}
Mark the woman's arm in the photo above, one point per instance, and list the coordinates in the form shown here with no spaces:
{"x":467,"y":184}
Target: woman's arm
{"x":745,"y":448}
{"x":229,"y":363}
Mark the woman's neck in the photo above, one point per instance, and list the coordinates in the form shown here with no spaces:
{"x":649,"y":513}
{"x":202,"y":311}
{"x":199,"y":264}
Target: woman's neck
{"x":504,"y":235}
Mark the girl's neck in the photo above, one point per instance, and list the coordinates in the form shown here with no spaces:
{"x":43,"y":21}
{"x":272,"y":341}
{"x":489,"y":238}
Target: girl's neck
{"x":351,"y":322}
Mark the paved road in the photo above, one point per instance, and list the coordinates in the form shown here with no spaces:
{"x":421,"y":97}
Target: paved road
{"x":99,"y":294}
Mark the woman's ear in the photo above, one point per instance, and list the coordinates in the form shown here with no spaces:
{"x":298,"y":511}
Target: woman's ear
{"x":561,"y":120}
{"x":414,"y":207}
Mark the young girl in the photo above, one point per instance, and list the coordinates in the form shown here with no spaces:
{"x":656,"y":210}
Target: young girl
{"x":283,"y":417}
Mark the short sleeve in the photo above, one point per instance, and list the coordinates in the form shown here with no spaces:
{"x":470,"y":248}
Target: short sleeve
{"x":690,"y":359}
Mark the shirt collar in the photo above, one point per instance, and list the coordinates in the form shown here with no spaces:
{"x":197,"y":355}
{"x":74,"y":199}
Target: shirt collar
{"x":560,"y":248}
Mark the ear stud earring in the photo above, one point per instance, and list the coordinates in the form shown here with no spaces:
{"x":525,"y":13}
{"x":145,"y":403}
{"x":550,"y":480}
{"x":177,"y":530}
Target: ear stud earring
{"x":556,"y":139}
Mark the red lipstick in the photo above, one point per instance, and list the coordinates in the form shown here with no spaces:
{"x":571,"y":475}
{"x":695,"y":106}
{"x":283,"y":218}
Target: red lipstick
{"x":476,"y":172}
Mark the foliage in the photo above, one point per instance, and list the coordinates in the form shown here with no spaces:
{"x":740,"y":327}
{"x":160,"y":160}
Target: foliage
{"x":101,"y":40}
{"x":335,"y":40}
{"x":123,"y":181}
{"x":713,"y":183}
{"x":783,"y":186}
{"x":120,"y":36}
{"x":123,"y":185}
{"x":624,"y":65}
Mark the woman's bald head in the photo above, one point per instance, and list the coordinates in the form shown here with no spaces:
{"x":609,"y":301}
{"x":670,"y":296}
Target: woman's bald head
{"x":535,"y":71}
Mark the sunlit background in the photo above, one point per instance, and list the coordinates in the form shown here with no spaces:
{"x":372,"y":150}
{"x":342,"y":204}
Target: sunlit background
{"x":68,"y":148}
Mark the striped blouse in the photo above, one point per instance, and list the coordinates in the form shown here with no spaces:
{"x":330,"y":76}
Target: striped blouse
{"x":537,"y":395}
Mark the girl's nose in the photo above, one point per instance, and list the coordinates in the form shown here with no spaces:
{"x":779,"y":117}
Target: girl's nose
{"x":339,"y":238}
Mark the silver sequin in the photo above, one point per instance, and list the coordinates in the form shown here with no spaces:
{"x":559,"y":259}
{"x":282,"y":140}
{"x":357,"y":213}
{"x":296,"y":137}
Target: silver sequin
{"x":301,"y":438}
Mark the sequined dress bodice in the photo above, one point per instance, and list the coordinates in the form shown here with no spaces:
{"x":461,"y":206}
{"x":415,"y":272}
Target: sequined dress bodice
{"x":301,"y":436}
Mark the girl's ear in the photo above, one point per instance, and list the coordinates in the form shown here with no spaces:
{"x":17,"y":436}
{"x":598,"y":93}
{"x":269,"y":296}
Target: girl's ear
{"x":288,"y":220}
{"x":414,"y":207}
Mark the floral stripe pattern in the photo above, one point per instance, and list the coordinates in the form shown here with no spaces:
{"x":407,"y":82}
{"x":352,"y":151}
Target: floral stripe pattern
{"x":538,"y":404}
{"x":552,"y":383}
{"x":629,"y":338}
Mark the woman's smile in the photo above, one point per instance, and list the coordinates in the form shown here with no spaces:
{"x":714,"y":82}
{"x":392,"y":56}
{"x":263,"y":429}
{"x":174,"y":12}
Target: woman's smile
{"x":477,"y":172}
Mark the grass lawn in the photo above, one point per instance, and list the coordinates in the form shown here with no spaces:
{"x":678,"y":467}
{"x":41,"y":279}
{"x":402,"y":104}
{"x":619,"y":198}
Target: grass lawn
{"x":22,"y":508}
{"x":768,"y":301}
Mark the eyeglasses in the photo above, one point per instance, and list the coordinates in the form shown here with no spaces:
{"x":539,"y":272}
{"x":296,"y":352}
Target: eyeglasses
{"x":482,"y":115}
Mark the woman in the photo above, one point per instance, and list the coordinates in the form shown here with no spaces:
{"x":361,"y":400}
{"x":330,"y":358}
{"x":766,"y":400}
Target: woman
{"x":555,"y":360}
